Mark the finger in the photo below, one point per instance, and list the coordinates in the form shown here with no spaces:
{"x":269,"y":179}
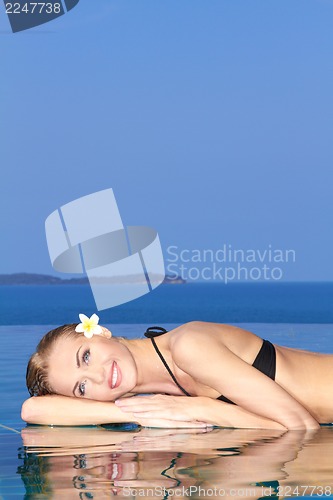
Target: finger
{"x":142,"y":408}
{"x":173,"y":423}
{"x":176,"y":425}
{"x":152,"y":413}
{"x":133,"y":401}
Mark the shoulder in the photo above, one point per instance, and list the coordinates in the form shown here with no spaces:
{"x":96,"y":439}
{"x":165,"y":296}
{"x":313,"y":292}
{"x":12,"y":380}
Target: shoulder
{"x":207,"y":340}
{"x":195,"y":331}
{"x":191,"y":331}
{"x":194,"y":338}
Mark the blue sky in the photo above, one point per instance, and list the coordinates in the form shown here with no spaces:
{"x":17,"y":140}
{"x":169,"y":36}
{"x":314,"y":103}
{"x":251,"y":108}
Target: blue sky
{"x":212,"y":122}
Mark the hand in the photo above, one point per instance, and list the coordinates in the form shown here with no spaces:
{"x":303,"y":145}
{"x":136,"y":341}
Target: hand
{"x":163,"y":423}
{"x":171,"y":409}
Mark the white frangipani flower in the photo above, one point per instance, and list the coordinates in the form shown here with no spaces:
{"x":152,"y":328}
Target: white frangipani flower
{"x":89,"y":326}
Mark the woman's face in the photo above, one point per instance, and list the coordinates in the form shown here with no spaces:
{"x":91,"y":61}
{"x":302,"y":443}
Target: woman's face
{"x":97,"y":368}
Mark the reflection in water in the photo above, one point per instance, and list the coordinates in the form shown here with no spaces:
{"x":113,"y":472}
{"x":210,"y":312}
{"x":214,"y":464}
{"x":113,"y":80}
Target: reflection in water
{"x":67,"y":462}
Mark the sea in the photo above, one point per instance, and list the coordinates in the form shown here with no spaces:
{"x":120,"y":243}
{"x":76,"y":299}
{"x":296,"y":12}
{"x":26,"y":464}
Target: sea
{"x":250,"y":302}
{"x":42,"y":462}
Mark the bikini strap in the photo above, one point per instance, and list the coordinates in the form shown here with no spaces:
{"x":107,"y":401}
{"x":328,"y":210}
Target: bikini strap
{"x":151,"y":334}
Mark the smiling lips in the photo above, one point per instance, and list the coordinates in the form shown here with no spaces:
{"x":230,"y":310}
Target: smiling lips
{"x":115,"y":376}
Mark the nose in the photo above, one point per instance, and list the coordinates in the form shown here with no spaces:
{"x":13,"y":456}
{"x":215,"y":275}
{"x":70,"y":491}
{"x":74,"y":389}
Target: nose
{"x":96,"y":375}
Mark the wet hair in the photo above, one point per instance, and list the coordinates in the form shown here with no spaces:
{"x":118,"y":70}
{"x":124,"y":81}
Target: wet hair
{"x":38,"y":366}
{"x":34,"y":469}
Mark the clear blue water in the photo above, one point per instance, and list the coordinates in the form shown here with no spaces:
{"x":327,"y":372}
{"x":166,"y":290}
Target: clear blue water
{"x":101,"y":462}
{"x":231,"y":303}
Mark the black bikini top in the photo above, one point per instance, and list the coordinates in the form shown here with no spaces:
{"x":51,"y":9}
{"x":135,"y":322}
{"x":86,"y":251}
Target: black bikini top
{"x":265,"y":360}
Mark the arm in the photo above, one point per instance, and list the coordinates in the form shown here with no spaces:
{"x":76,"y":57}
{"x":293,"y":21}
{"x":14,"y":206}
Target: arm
{"x":210,"y":362}
{"x":227,"y":415}
{"x":63,"y":410}
{"x":199,"y":408}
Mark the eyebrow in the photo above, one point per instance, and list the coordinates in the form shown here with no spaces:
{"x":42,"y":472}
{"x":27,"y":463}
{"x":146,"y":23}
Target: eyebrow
{"x":78,"y":365}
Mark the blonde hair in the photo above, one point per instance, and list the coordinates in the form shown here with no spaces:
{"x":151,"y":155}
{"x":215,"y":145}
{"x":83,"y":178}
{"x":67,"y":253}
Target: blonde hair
{"x":38,"y":365}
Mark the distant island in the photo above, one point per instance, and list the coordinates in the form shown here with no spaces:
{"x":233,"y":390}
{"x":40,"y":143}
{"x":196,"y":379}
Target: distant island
{"x":45,"y":279}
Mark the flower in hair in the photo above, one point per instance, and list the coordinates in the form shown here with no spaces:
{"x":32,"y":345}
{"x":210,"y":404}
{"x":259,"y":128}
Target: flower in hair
{"x":90,"y":327}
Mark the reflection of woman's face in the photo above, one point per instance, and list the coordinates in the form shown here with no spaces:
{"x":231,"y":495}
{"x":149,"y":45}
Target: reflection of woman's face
{"x":97,"y":368}
{"x":98,"y":474}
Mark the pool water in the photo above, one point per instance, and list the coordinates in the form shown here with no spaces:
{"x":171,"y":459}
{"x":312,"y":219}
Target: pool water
{"x":102,"y":462}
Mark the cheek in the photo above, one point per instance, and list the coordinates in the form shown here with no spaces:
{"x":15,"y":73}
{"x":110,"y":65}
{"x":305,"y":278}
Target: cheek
{"x":58,"y":387}
{"x":60,"y":382}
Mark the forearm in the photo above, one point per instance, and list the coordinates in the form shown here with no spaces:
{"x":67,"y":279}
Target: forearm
{"x":228,"y":415}
{"x":62,"y":410}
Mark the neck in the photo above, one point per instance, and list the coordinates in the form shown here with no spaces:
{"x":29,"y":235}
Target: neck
{"x":152,"y":376}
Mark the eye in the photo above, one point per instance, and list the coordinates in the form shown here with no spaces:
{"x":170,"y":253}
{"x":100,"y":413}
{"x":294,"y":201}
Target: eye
{"x":82,"y":388}
{"x":86,"y":356}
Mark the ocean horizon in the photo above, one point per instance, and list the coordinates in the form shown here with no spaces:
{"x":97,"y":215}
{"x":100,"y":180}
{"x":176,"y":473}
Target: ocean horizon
{"x":247,"y":302}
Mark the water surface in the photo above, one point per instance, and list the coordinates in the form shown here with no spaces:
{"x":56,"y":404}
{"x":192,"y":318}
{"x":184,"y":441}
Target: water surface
{"x":102,"y":462}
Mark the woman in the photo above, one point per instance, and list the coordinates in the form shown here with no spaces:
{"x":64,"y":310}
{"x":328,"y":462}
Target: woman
{"x":82,"y":380}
